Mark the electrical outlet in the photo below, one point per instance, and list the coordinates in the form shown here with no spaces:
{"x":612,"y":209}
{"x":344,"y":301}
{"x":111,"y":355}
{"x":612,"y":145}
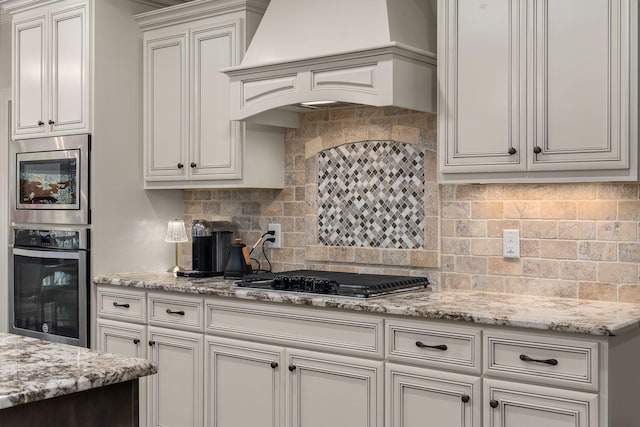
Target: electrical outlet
{"x":277,"y":235}
{"x":511,"y":243}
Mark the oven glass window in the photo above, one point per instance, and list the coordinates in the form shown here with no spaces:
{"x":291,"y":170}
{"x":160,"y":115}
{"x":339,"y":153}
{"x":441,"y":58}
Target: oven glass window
{"x":46,"y":295}
{"x":48,"y":182}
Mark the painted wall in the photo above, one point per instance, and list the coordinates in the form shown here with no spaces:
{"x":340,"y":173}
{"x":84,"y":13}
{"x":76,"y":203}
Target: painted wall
{"x":5,"y":94}
{"x":129,"y":223}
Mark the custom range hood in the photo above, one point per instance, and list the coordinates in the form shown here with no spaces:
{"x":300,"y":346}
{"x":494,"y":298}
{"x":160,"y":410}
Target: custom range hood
{"x":313,"y":53}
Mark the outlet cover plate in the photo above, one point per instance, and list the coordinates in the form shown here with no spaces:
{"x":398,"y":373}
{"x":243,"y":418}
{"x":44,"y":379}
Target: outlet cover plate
{"x":511,"y":243}
{"x":278,"y":236}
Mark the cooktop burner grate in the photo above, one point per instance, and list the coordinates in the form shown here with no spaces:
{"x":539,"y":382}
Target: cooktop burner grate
{"x":334,"y":283}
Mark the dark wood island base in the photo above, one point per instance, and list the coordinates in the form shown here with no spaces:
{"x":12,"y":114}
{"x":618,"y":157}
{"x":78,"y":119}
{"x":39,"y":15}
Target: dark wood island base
{"x":114,"y":405}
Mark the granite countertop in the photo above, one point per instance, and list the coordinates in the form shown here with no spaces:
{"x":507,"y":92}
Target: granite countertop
{"x":556,"y":314}
{"x":32,"y":370}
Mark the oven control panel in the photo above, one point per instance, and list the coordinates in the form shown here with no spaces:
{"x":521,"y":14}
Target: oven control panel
{"x":49,"y":239}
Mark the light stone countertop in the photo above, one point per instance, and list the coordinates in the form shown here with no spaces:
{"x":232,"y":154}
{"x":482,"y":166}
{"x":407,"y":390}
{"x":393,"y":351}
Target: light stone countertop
{"x":32,"y":370}
{"x":556,"y":314}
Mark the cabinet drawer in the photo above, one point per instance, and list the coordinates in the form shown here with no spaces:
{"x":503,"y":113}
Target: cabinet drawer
{"x":435,"y":345}
{"x":176,"y":312}
{"x":304,"y":327}
{"x":121,"y":304}
{"x":547,"y":360}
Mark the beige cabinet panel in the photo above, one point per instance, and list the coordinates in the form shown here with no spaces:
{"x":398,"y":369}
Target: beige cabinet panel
{"x":482,"y":90}
{"x":538,"y":90}
{"x":175,"y":392}
{"x":166,"y":107}
{"x":51,"y":70}
{"x":244,"y":384}
{"x":314,"y":380}
{"x":521,"y":405}
{"x":416,"y":397}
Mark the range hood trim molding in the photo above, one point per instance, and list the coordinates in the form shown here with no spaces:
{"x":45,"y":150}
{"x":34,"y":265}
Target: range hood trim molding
{"x":394,"y":48}
{"x":399,"y":77}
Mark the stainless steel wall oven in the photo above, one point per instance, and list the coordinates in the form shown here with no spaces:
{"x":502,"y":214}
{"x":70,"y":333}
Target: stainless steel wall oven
{"x":50,"y":276}
{"x":50,"y":180}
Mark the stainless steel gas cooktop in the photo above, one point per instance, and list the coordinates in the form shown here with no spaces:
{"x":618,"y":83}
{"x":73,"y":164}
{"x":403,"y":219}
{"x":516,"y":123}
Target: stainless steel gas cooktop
{"x":334,"y":283}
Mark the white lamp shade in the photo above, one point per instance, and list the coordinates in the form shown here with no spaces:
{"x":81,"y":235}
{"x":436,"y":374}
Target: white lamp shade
{"x":176,"y":232}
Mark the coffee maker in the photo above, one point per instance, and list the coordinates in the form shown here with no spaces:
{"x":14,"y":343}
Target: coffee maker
{"x":211,"y":242}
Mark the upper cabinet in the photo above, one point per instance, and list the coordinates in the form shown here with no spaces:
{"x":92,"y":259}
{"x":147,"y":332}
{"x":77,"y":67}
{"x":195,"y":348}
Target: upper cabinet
{"x":189,"y":139}
{"x":51,"y":88}
{"x":538,"y":90}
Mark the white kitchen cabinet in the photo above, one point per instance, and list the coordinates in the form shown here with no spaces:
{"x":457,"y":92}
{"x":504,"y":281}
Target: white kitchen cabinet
{"x":244,"y":384}
{"x":417,"y":397}
{"x":51,"y":72}
{"x":189,"y":139}
{"x":175,"y":392}
{"x":540,"y":90}
{"x":313,"y":381}
{"x":511,"y":404}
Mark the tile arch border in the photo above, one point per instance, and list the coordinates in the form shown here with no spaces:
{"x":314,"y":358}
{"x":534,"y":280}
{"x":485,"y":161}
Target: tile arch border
{"x":407,"y":258}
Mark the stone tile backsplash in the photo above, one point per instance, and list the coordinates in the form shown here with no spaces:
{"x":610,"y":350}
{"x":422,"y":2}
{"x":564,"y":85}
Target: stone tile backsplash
{"x":577,"y":240}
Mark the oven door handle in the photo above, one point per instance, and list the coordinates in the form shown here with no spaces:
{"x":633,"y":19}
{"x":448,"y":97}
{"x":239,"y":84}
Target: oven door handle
{"x":46,"y":254}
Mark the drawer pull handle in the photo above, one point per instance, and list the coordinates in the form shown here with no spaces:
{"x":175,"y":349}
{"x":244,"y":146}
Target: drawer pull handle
{"x":169,"y":311}
{"x":465,"y":398}
{"x":525,"y":358}
{"x":493,"y":403}
{"x":115,"y":304}
{"x":274,"y":365}
{"x":437,"y":347}
{"x":136,"y":341}
{"x":292,"y":368}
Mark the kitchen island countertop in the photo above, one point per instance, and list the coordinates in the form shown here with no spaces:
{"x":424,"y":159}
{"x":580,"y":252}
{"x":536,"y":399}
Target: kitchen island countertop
{"x":534,"y":312}
{"x":32,"y":370}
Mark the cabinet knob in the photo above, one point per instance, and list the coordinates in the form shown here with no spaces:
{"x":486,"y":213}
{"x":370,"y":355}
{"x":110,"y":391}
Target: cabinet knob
{"x":292,"y":368}
{"x":493,"y":403}
{"x":136,"y":341}
{"x":152,"y":343}
{"x":180,"y":165}
{"x":537,"y":150}
{"x":40,"y":123}
{"x":274,"y":365}
{"x":465,"y":398}
{"x":193,"y":165}
{"x":51,"y":122}
{"x":512,"y":151}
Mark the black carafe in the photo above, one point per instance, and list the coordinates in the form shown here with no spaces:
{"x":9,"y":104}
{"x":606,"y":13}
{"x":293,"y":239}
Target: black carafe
{"x":238,"y":264}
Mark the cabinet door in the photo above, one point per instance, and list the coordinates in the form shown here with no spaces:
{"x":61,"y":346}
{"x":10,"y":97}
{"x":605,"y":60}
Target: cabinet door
{"x":175,"y":392}
{"x":69,"y":56}
{"x":509,"y":404}
{"x":420,"y":397}
{"x":244,"y":384}
{"x":126,"y":339}
{"x":216,"y":141}
{"x":482,"y":104}
{"x":29,"y":76}
{"x":329,"y":390}
{"x":579,"y":85}
{"x":165,"y":92}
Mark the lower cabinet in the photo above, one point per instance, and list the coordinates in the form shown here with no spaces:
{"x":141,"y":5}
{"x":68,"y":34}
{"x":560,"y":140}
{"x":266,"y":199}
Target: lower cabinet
{"x":127,"y":339}
{"x":223,"y":362}
{"x":175,"y":392}
{"x":510,"y":404}
{"x":331,"y":390}
{"x":418,"y":397}
{"x":244,"y":384}
{"x":309,"y":389}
